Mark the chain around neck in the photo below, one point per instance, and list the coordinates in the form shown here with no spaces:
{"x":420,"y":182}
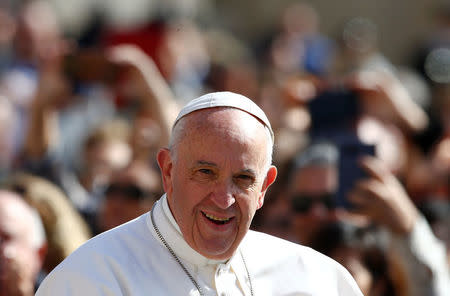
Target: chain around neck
{"x":175,"y":257}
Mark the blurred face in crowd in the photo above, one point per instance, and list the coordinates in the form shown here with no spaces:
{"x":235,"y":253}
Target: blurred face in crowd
{"x":311,"y":197}
{"x":38,"y":35}
{"x":102,"y":159}
{"x":130,"y":194}
{"x":20,"y":258}
{"x":216,"y":177}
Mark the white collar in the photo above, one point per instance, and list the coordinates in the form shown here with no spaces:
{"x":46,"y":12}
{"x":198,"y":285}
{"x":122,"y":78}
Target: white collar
{"x":170,"y":230}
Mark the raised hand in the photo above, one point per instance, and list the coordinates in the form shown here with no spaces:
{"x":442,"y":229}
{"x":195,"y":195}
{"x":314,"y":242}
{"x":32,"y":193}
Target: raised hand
{"x":383,"y":199}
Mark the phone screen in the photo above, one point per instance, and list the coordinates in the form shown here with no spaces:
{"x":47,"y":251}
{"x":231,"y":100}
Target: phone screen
{"x":350,"y":171}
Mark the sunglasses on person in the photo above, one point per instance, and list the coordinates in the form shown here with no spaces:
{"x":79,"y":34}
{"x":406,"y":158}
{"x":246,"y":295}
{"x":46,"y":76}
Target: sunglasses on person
{"x":302,"y":203}
{"x":129,"y":192}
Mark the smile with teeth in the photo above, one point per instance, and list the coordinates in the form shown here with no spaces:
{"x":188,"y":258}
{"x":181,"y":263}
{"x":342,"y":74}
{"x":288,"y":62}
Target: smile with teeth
{"x":215,"y":219}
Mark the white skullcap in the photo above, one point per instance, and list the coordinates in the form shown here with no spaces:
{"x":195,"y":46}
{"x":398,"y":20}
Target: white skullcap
{"x":225,"y":99}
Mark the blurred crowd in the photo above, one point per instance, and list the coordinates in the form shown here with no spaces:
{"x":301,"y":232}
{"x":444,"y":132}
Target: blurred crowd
{"x":362,"y":145}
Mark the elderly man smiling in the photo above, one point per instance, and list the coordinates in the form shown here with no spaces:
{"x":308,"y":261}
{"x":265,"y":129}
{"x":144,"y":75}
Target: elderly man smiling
{"x":196,"y":239}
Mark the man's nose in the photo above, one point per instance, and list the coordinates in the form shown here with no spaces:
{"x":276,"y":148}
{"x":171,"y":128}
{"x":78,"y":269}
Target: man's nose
{"x":6,"y":250}
{"x":319,"y":210}
{"x":223,"y":195}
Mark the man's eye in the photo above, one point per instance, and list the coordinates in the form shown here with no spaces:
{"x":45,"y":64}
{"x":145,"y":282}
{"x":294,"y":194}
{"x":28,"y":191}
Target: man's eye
{"x":205,"y":171}
{"x":245,"y":177}
{"x":204,"y":174}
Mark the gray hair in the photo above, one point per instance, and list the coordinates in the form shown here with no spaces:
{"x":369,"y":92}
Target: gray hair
{"x":320,"y":153}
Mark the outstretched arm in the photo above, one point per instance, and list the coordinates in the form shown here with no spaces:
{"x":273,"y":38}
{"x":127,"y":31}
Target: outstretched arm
{"x":390,"y":98}
{"x":419,"y":254}
{"x":41,"y":134}
{"x":157,"y":100}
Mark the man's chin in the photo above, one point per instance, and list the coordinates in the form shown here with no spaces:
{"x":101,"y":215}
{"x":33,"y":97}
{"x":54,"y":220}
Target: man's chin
{"x":217,"y":251}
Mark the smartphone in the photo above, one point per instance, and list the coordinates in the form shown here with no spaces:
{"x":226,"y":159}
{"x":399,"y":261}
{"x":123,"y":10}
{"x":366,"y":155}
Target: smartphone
{"x":334,"y":109}
{"x":351,"y":149}
{"x":89,"y":66}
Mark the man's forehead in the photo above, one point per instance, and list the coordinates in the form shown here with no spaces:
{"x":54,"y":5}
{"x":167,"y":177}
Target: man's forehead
{"x":217,"y":115}
{"x":214,"y":142}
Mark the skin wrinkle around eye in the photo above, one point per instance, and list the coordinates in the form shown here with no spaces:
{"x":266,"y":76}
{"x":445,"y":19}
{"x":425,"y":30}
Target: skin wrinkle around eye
{"x":205,"y":171}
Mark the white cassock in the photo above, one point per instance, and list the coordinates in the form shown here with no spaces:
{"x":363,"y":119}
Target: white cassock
{"x":131,"y":260}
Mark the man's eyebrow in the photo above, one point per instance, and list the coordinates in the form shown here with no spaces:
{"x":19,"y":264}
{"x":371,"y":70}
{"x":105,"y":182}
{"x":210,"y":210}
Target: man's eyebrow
{"x":208,"y":163}
{"x":249,"y":171}
{"x":204,"y":162}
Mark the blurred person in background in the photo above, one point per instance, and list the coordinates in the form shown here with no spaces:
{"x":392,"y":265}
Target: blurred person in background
{"x":312,"y":183}
{"x":65,"y":228}
{"x":377,"y":109}
{"x":158,"y":106}
{"x":418,"y":256}
{"x":294,"y":59}
{"x":405,"y":135}
{"x":105,"y":151}
{"x":184,"y":68}
{"x":358,"y":49}
{"x":130,"y":193}
{"x":35,"y":37}
{"x":389,"y":118}
{"x":378,"y":198}
{"x":298,"y":46}
{"x":362,"y":252}
{"x":392,"y":109}
{"x":22,"y":246}
{"x":232,"y":65}
{"x":114,"y":144}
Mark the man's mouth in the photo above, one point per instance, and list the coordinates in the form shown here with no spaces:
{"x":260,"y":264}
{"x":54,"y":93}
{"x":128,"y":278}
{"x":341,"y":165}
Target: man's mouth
{"x":217,"y":220}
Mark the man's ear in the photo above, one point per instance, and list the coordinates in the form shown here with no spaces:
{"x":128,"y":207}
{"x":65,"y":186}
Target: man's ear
{"x":165,"y":165}
{"x":270,"y":178}
{"x":40,"y":253}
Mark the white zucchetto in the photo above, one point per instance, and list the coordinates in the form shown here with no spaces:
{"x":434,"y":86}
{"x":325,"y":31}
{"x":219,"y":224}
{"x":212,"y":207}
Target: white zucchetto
{"x":225,"y":99}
